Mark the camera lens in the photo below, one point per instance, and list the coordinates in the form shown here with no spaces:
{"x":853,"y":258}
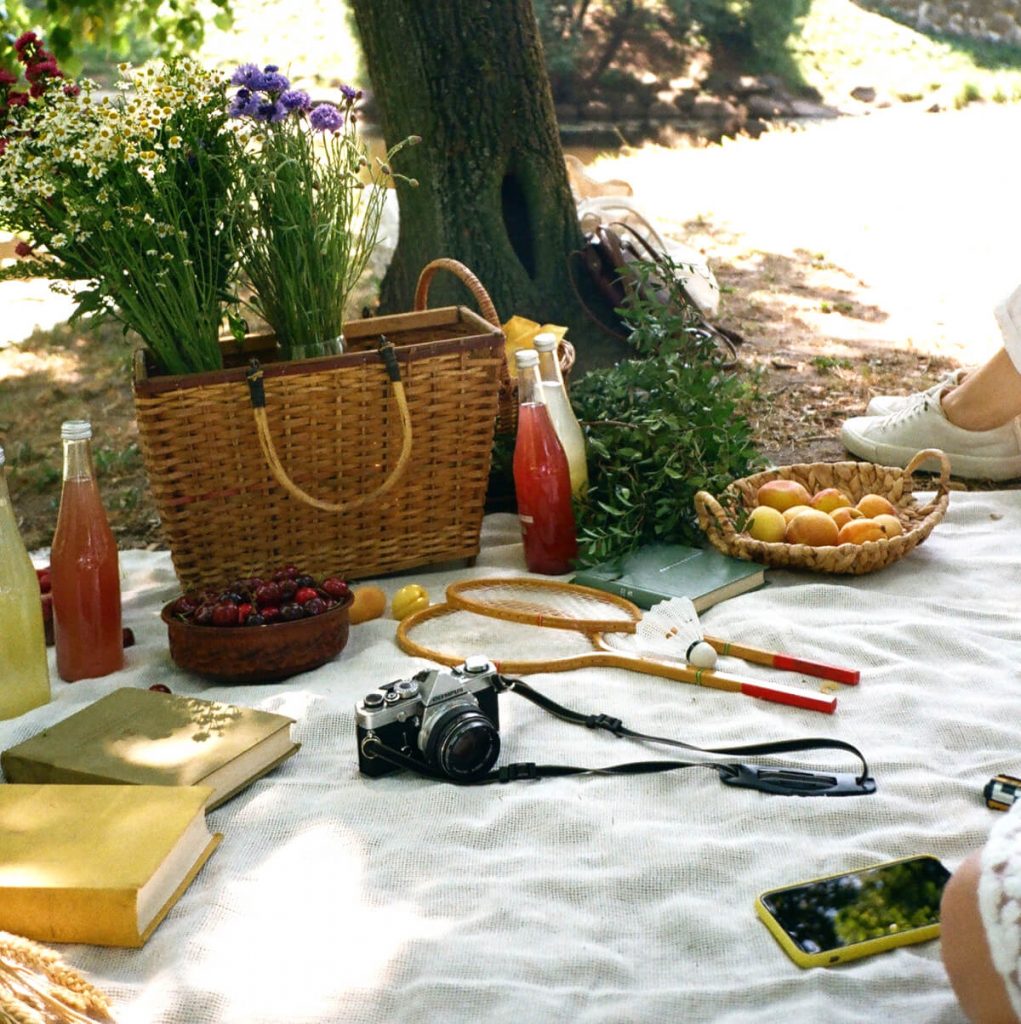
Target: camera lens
{"x":464,"y":744}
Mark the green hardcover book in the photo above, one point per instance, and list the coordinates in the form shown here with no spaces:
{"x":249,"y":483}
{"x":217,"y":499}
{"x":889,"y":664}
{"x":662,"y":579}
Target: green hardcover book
{"x":657,"y":572}
{"x":148,"y":738}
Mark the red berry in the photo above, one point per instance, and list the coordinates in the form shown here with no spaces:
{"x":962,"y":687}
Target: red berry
{"x":127,"y":637}
{"x":314,"y":606}
{"x":267,"y":594}
{"x":159,"y":688}
{"x":305,"y":594}
{"x":336,"y":587}
{"x":288,"y":588}
{"x":270,"y":613}
{"x":225,"y":614}
{"x":203,"y":615}
{"x":184,"y":606}
{"x":244,"y":610}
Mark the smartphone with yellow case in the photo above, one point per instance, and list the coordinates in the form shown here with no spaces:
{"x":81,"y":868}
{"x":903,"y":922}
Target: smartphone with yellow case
{"x":844,"y":917}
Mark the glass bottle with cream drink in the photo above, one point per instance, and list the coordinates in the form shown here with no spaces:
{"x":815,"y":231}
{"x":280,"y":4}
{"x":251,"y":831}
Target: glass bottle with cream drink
{"x":565,"y":423}
{"x":85,"y":569}
{"x":24,"y":674}
{"x":542,"y":480}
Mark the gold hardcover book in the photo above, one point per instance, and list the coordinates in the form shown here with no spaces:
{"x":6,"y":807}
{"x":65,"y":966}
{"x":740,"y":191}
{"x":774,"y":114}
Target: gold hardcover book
{"x":98,"y":864}
{"x":155,"y":739}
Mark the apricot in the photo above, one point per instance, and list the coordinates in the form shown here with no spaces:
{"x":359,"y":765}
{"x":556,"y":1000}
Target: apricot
{"x":875,"y":505}
{"x":812,"y":527}
{"x":859,"y":531}
{"x":891,"y":524}
{"x":766,"y":523}
{"x":845,"y":514}
{"x":790,"y":513}
{"x":828,"y":499}
{"x":782,"y":494}
{"x":369,"y":603}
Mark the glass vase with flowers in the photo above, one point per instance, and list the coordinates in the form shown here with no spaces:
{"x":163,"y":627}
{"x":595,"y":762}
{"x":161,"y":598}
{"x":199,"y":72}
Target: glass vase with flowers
{"x":128,"y":197}
{"x":311,"y":199}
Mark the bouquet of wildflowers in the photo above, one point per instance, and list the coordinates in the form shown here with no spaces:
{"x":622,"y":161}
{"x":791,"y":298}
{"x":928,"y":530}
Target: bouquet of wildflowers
{"x":129,"y":196}
{"x":309,"y":212}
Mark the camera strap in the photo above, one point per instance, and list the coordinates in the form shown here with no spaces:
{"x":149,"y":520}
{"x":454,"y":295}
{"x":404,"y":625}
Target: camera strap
{"x":766,"y":779}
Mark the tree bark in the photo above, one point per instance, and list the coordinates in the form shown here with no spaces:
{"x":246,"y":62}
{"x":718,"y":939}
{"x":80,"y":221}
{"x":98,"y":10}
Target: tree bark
{"x":469,"y":77}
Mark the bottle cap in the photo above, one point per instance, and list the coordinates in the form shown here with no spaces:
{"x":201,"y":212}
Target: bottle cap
{"x":545,"y":342}
{"x":75,"y":430}
{"x":526,"y":357}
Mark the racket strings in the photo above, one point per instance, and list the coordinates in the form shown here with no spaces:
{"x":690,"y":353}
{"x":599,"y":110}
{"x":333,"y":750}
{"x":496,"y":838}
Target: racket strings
{"x":575,"y":607}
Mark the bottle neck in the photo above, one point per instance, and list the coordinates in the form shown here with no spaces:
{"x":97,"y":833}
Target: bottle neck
{"x":529,"y":386}
{"x":549,"y":367}
{"x":78,"y":460}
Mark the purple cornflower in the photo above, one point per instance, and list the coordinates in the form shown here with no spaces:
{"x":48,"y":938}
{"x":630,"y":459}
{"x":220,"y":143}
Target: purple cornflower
{"x":296,"y":99}
{"x":326,"y":118}
{"x":244,"y":104}
{"x":245,"y":75}
{"x":350,"y":93}
{"x":270,"y":80}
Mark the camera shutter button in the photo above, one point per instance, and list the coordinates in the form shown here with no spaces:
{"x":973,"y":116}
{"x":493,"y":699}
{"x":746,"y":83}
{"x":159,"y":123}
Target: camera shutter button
{"x":476,"y":664}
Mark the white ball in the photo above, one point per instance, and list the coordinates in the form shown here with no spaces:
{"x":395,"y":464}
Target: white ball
{"x":701,"y":655}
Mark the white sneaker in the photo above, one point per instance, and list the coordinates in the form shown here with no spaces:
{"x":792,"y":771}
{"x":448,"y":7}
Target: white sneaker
{"x":895,"y":439}
{"x":883,"y":405}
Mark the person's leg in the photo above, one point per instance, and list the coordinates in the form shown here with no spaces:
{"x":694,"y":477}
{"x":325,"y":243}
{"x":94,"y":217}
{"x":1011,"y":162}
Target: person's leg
{"x":987,"y":397}
{"x":979,"y":987}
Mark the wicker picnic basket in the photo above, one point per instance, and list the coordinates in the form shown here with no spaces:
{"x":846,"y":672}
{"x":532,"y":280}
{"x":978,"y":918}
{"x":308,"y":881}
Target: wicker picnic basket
{"x":344,"y":470}
{"x":507,"y":420}
{"x":855,"y":479}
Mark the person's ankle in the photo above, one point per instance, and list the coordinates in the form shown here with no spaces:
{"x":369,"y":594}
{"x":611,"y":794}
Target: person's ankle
{"x":968,"y":415}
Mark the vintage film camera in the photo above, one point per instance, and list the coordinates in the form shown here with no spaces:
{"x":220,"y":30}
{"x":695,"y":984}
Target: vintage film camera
{"x":445,"y":719}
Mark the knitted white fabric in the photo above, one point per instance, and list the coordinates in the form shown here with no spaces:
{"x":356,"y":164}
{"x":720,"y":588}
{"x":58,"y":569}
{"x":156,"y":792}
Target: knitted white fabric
{"x":999,"y":896}
{"x":1008,"y":316}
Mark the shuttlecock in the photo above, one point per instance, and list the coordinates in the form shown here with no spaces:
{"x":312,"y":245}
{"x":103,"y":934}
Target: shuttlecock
{"x":671,"y":629}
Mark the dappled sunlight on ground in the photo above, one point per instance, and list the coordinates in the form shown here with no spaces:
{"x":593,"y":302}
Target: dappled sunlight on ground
{"x":917,"y":213}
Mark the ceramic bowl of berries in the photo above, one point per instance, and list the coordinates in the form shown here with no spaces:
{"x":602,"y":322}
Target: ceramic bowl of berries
{"x":259,"y":630}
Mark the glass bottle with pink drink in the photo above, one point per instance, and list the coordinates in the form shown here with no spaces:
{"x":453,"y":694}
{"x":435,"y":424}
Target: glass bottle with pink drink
{"x":542,"y":478}
{"x":24,"y":673}
{"x":85,"y":569}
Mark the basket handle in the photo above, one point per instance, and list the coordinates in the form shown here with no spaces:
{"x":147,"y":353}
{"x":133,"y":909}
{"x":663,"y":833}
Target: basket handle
{"x":257,"y":392}
{"x":944,"y":473}
{"x":712,"y":517}
{"x":465,"y":276}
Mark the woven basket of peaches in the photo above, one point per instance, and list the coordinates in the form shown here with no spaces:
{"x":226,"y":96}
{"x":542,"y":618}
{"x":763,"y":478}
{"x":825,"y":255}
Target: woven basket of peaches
{"x":835,"y":517}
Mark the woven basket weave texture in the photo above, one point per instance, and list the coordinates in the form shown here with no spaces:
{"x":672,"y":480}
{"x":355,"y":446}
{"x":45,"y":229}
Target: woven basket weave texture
{"x":855,"y":479}
{"x":337,"y":432}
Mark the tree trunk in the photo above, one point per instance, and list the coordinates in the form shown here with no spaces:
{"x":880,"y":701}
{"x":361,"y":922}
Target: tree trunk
{"x":468,"y":76}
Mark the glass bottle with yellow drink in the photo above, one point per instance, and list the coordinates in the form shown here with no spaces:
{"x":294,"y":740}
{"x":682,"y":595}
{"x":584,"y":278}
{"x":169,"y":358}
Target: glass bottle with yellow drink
{"x":24,"y":675}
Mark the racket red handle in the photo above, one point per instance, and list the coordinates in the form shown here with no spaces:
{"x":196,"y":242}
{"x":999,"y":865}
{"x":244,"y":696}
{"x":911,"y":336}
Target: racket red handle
{"x":795,"y":698}
{"x":850,"y":676}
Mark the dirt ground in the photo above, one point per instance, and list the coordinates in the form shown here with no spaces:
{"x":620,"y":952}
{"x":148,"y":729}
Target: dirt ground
{"x":860,"y":255}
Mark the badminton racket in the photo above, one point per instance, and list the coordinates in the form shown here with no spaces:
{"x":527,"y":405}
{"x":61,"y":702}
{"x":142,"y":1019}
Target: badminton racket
{"x":448,"y":635}
{"x":569,"y":606}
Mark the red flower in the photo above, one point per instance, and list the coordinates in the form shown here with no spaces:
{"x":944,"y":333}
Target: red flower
{"x":17,"y":99}
{"x":23,"y":249}
{"x":6,"y":78}
{"x":72,"y":89}
{"x":3,"y":145}
{"x":42,"y":69}
{"x":25,"y":39}
{"x":38,"y":88}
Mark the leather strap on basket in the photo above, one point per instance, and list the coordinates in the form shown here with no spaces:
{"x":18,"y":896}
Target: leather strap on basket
{"x":257,"y":393}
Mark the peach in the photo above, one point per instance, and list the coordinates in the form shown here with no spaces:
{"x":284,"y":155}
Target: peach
{"x":765,"y":523}
{"x":845,"y":514}
{"x":782,"y":494}
{"x":828,"y":499}
{"x":790,"y":513}
{"x":812,"y":527}
{"x":858,"y":531}
{"x":891,"y":524}
{"x":875,"y":504}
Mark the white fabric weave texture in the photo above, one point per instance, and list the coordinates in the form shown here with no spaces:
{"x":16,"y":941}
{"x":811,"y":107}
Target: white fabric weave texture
{"x":336,"y":898}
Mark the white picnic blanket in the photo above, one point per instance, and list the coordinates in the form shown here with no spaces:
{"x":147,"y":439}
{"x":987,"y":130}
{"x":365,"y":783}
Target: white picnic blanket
{"x":337,"y":898}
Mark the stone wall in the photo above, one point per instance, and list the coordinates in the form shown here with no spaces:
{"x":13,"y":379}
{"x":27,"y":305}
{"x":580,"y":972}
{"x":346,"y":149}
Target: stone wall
{"x":989,"y":20}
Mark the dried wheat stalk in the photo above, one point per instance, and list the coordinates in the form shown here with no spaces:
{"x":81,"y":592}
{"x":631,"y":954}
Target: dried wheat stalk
{"x":36,"y":987}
